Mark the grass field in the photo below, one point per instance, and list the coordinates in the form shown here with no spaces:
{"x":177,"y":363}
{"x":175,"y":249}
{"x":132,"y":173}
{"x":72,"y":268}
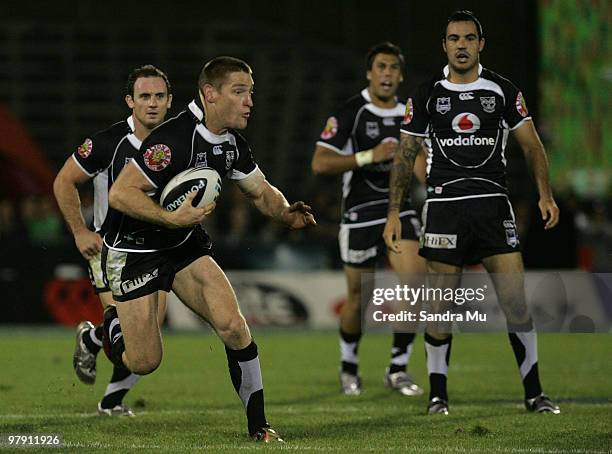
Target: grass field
{"x":189,"y":404}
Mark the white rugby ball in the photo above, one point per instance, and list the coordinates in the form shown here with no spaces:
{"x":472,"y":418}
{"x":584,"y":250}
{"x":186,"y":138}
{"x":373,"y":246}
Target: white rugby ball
{"x":204,"y":180}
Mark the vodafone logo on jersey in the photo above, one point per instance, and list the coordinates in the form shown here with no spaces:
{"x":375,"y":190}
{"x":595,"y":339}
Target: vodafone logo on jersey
{"x":466,"y":123}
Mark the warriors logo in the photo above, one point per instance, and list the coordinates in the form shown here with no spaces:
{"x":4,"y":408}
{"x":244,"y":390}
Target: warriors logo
{"x":85,"y":148}
{"x":521,"y":107}
{"x":331,"y":128}
{"x":409,"y":113}
{"x":157,"y":157}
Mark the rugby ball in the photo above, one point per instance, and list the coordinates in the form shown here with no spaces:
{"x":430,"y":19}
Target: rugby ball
{"x":204,"y":180}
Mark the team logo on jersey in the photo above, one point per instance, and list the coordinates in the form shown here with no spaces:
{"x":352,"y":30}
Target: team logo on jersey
{"x":409,"y":112}
{"x":157,"y":157}
{"x":229,"y":159}
{"x":331,"y":128}
{"x":521,"y":106}
{"x":372,"y":129}
{"x":217,"y":150}
{"x":488,"y":103}
{"x":467,"y":96}
{"x":201,"y":160}
{"x":466,"y":122}
{"x":85,"y":148}
{"x":443,"y":105}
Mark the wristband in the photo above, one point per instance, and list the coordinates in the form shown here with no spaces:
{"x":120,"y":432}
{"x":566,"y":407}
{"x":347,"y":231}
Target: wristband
{"x":364,"y":158}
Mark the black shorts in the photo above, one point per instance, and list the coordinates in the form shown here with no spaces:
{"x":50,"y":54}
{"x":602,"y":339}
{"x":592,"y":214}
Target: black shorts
{"x":97,"y":275}
{"x":463,"y":232}
{"x":362,"y":244}
{"x":132,"y":275}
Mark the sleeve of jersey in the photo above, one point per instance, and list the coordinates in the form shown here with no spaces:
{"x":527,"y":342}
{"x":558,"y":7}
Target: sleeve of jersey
{"x":159,"y":159}
{"x":416,"y":117}
{"x":244,"y":164}
{"x":515,"y":110}
{"x":337,"y":131}
{"x":93,"y":155}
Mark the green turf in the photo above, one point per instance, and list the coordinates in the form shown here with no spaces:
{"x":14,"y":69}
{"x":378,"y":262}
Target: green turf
{"x":189,"y":403}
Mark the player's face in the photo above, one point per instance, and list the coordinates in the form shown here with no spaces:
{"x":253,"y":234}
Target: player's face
{"x":150,"y":102}
{"x":234,"y":100}
{"x":462,"y":46}
{"x":385,"y":76}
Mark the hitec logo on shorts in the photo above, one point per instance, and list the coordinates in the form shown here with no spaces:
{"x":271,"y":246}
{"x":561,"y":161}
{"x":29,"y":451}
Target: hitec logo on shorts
{"x":440,"y":241}
{"x":140,"y":281}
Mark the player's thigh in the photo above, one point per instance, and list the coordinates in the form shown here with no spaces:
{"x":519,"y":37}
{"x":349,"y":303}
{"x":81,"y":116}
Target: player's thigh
{"x":409,"y":260}
{"x":204,"y":288}
{"x":139,"y":326}
{"x":162,"y":298}
{"x":508,"y":277}
{"x":357,"y":280}
{"x":106,"y":298}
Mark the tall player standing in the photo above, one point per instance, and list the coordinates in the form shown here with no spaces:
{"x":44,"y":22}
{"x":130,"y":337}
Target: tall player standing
{"x":101,"y":158}
{"x":465,"y":114}
{"x":360,"y":141}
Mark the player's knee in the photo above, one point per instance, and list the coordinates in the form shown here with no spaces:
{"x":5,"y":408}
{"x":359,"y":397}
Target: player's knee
{"x":233,"y":329}
{"x":144,"y":364}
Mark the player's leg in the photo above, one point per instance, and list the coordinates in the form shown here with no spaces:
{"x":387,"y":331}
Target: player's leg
{"x":89,"y":337}
{"x":411,"y":268}
{"x":350,"y":330}
{"x":507,"y":274}
{"x":204,"y":288}
{"x":438,"y":337}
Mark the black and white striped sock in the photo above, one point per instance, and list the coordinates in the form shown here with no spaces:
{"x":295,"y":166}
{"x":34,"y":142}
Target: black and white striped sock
{"x":438,"y":358}
{"x":92,"y":338}
{"x":121,"y":382}
{"x":245,"y":373}
{"x":401,"y":351}
{"x":524,"y":341}
{"x":113,"y":339}
{"x":349,"y":348}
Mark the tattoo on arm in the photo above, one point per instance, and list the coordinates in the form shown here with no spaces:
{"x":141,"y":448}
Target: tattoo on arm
{"x":402,"y":169}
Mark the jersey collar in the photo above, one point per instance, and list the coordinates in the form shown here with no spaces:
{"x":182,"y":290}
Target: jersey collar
{"x":396,"y":111}
{"x":196,"y":108}
{"x":130,"y":122}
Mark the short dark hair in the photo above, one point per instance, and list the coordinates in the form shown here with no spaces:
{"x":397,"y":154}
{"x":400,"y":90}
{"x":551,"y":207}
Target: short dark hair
{"x":384,"y":48}
{"x":215,"y":71}
{"x":464,"y":15}
{"x":145,"y":71}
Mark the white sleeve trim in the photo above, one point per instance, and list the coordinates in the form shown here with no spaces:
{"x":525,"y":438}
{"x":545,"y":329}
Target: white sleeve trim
{"x":238,"y":175}
{"x":133,"y":161}
{"x":332,"y":148}
{"x":90,"y":175}
{"x":410,"y":133}
{"x":520,"y":123}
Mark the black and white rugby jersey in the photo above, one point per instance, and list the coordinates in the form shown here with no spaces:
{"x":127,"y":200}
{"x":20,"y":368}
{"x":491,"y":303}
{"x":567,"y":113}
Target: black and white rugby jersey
{"x":101,"y":157}
{"x":178,"y":144}
{"x":360,"y":125}
{"x":466,"y":127}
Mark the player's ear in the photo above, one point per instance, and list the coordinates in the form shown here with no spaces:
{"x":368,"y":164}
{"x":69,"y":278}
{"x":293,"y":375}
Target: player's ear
{"x":129,"y":101}
{"x":209,"y":92}
{"x":481,"y":44}
{"x":444,"y":44}
{"x":369,"y":74}
{"x":169,"y":101}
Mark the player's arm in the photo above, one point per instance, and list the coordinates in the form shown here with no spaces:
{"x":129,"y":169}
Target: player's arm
{"x":326,"y":161}
{"x":420,"y":164}
{"x":535,"y":155}
{"x":399,"y":182}
{"x":271,"y":202}
{"x":129,"y":194}
{"x":67,"y":195}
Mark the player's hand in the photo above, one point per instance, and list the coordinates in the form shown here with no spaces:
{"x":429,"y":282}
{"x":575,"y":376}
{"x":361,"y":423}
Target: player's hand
{"x":88,"y":243}
{"x":187,"y":215}
{"x":385,"y":150}
{"x":298,"y":215}
{"x":550,"y":212}
{"x":393,"y":232}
